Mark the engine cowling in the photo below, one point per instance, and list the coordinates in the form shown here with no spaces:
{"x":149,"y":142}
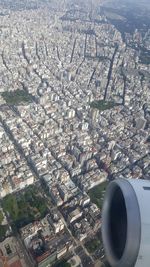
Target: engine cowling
{"x":126,"y":223}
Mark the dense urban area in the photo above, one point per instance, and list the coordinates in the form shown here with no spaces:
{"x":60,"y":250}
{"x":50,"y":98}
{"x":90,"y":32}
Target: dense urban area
{"x":74,"y":115}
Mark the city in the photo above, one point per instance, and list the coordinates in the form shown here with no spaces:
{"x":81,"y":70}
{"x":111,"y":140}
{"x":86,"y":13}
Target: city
{"x":74,"y":115}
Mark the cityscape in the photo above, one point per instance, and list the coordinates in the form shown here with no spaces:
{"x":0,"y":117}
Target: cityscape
{"x":74,"y":115}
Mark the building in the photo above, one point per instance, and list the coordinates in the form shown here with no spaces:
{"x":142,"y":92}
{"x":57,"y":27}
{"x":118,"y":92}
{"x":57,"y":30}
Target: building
{"x":11,"y":254}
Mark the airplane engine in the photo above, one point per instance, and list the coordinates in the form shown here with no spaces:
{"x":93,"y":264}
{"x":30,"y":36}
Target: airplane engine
{"x":126,"y":223}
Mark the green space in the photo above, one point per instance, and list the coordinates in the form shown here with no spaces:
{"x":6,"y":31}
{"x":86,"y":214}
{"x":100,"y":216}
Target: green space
{"x":16,"y":97}
{"x":145,"y":59}
{"x":113,"y":15}
{"x":103,"y":105}
{"x":25,"y":207}
{"x":97,"y":194}
{"x":63,"y":263}
{"x":93,"y":245}
{"x":3,"y":230}
{"x":1,"y":217}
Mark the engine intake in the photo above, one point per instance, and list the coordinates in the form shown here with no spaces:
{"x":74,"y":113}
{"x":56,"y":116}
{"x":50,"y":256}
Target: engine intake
{"x":126,"y":223}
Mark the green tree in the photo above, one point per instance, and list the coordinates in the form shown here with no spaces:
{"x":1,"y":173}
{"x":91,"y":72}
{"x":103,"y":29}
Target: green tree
{"x":10,"y":205}
{"x":64,"y":264}
{"x":1,"y":217}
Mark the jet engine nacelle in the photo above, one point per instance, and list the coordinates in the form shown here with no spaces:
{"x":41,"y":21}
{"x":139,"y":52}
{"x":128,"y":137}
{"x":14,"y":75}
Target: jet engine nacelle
{"x":126,"y":223}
